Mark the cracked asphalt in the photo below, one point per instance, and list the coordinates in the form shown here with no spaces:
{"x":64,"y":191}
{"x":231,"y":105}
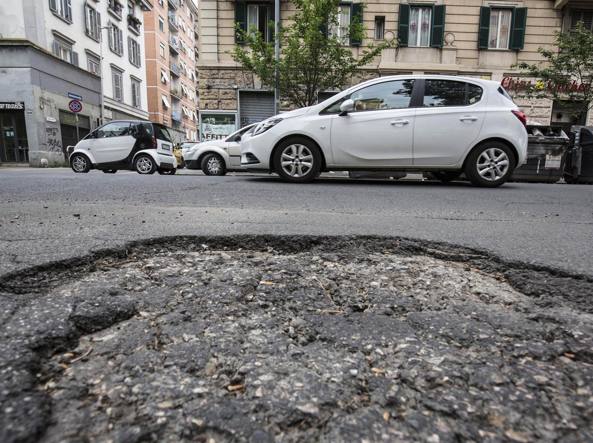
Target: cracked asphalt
{"x":54,"y":214}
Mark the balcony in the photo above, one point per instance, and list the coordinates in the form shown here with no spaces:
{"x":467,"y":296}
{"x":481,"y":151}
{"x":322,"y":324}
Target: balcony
{"x":174,"y":4}
{"x":175,"y":69}
{"x":174,"y":46}
{"x":173,"y":24}
{"x":134,"y":24}
{"x":176,"y":115}
{"x":175,"y":92}
{"x":115,"y":8}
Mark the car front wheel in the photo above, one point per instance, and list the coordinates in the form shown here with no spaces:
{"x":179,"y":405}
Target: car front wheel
{"x":297,"y":160}
{"x":144,"y":164}
{"x":213,"y":164}
{"x":490,"y":165}
{"x":80,"y":163}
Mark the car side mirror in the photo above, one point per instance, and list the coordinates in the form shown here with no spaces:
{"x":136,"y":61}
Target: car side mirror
{"x":238,"y":138}
{"x":346,"y":107}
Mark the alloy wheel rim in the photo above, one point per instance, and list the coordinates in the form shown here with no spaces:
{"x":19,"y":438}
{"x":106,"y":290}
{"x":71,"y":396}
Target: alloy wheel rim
{"x":79,"y":163}
{"x":144,"y":165}
{"x":214,"y":165}
{"x":296,"y":160}
{"x":493,"y":164}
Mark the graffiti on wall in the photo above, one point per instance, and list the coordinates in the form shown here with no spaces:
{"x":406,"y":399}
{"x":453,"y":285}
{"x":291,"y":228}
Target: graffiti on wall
{"x":52,"y":139}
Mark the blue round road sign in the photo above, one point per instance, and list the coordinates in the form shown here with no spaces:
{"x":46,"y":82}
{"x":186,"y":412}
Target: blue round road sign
{"x":75,"y":105}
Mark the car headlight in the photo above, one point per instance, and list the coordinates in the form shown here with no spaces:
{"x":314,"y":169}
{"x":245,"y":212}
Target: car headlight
{"x":265,"y":125}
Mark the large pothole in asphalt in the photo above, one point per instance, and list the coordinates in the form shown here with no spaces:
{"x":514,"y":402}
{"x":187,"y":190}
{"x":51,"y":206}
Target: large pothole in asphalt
{"x":331,"y":340}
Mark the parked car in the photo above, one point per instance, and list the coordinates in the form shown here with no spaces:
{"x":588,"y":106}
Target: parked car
{"x":217,"y":157}
{"x":442,"y":124}
{"x":138,"y":145}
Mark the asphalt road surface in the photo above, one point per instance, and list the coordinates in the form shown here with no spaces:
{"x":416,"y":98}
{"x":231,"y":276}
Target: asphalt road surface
{"x":52,"y":214}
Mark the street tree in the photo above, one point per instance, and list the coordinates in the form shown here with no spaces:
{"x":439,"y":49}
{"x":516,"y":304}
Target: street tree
{"x":314,"y":56}
{"x":565,"y":74}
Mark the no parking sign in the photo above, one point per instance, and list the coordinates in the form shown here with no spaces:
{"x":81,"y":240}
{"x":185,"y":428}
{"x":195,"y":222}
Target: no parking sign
{"x":75,"y":105}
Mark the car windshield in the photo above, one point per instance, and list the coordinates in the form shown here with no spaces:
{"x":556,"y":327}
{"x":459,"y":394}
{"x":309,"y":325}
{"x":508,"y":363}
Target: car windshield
{"x":239,"y":133}
{"x":162,"y":133}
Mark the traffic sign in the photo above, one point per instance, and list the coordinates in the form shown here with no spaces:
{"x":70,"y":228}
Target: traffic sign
{"x":75,"y":106}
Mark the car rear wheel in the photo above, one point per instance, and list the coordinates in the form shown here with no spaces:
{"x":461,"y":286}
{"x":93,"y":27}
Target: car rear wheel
{"x":213,"y":164}
{"x":490,"y":165}
{"x":297,"y":160}
{"x":80,"y":163}
{"x":144,"y":164}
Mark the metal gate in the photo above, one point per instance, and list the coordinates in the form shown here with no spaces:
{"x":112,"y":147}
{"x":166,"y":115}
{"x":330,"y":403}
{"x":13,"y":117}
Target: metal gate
{"x":255,"y":106}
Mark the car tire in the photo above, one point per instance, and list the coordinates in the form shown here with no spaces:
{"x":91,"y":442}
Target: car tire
{"x":213,"y":164}
{"x":490,"y":164}
{"x":80,"y":163}
{"x":445,"y":176}
{"x":144,"y":164}
{"x":167,"y":171}
{"x":109,"y":171}
{"x":297,"y":160}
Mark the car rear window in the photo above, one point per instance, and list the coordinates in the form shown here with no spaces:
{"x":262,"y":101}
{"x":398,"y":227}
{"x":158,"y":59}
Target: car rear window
{"x":441,"y":93}
{"x":162,"y":133}
{"x":503,"y":91}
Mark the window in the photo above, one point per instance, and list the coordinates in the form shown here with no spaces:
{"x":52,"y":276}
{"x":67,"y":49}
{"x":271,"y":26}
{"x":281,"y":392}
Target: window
{"x":61,"y":8}
{"x":134,"y":52}
{"x":500,"y":28}
{"x":162,"y":50}
{"x":115,"y":129}
{"x":136,"y":97}
{"x":161,"y":24}
{"x":386,"y":95}
{"x":420,"y":26}
{"x":162,"y":133}
{"x":118,"y":87}
{"x":116,"y":8}
{"x":586,"y":17}
{"x":254,"y":17}
{"x":440,"y":93}
{"x":93,"y":64}
{"x":342,"y":29}
{"x":92,"y":23}
{"x":379,"y":27}
{"x":116,"y":43}
{"x":63,"y":49}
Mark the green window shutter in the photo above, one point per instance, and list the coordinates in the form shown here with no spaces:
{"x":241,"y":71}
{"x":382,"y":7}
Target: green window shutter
{"x":484,"y":31}
{"x":438,"y":26}
{"x":518,"y":29}
{"x":404,"y":25}
{"x":240,"y":21}
{"x":355,"y":17}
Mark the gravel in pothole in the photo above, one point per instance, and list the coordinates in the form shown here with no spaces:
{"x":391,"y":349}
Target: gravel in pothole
{"x":266,"y":346}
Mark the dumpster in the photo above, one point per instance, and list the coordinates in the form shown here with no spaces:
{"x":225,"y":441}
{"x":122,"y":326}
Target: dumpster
{"x":547,"y":145}
{"x":578,"y":160}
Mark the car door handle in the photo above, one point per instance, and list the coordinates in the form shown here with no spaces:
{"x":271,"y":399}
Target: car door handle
{"x":399,"y":122}
{"x":468,"y":118}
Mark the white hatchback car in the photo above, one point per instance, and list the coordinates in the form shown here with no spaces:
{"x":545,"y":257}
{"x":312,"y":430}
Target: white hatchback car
{"x":442,"y":124}
{"x":216,"y":157}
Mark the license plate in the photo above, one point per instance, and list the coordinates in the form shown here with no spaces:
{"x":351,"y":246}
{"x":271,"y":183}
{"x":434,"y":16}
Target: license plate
{"x":553,"y":161}
{"x":166,"y":147}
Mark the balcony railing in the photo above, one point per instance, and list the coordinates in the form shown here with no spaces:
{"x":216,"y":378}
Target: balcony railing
{"x":174,"y":45}
{"x":174,"y":4}
{"x":173,"y":24}
{"x":176,"y":92}
{"x":175,"y":69}
{"x":115,"y":7}
{"x":134,"y":24}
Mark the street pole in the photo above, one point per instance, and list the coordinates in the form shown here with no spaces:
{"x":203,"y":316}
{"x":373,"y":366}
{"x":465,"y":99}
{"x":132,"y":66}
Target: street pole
{"x":276,"y":56}
{"x":101,"y":72}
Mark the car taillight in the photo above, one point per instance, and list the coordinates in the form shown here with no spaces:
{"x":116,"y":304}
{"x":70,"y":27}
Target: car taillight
{"x":154,"y":145}
{"x":521,"y":116}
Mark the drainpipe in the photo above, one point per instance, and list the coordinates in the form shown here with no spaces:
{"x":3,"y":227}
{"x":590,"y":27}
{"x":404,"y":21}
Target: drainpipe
{"x":276,"y":55}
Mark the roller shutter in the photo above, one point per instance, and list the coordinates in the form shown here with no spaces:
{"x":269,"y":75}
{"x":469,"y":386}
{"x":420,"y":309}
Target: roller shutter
{"x":255,"y":106}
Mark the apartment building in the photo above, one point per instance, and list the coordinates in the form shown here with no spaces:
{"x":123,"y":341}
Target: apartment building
{"x":481,"y":38}
{"x":170,"y":66}
{"x":67,"y":65}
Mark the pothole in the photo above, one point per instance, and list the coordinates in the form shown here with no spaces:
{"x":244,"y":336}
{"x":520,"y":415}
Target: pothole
{"x":297,"y":340}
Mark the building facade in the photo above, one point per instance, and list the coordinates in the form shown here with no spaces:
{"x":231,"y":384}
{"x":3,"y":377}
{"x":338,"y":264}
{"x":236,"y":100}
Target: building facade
{"x":90,"y":54}
{"x":480,"y":38}
{"x":171,"y":66}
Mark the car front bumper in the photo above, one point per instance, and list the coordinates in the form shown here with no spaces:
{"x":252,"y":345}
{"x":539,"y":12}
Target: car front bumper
{"x":256,"y":152}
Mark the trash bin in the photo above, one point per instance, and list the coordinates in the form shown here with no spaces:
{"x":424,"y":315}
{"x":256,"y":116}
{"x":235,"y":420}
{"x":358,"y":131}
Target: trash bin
{"x":547,"y":145}
{"x":578,"y":160}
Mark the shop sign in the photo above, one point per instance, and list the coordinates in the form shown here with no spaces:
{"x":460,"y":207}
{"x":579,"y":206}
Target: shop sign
{"x":517,"y":84}
{"x":217,"y":126}
{"x":12,"y":106}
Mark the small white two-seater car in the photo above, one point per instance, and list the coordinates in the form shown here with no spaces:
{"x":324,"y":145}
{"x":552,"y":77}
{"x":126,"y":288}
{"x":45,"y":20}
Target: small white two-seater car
{"x":217,"y":157}
{"x":138,"y":145}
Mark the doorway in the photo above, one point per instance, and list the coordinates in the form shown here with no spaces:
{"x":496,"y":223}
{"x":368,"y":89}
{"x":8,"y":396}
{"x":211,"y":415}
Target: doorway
{"x":13,"y":138}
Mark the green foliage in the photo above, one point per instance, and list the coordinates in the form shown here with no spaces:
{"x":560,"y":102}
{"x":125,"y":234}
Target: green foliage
{"x":311,"y":60}
{"x":566,"y":74}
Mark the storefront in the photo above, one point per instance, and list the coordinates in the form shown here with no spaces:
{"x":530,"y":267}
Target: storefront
{"x":13,"y":134}
{"x":217,"y":125}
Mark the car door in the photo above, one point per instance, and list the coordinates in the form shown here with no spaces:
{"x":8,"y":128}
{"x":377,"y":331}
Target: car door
{"x":448,"y":123}
{"x":113,"y":142}
{"x":233,"y":146}
{"x":379,"y":131}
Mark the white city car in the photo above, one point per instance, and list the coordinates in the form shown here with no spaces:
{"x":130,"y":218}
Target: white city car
{"x":138,"y":145}
{"x":443,"y":124}
{"x":216,"y":157}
